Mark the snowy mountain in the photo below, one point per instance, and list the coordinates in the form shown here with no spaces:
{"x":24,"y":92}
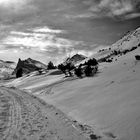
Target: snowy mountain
{"x":128,"y":43}
{"x":6,"y":68}
{"x":130,"y":40}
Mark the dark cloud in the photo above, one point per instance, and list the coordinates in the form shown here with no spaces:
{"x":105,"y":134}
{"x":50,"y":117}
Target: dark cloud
{"x":117,"y":9}
{"x":120,"y":8}
{"x":34,"y":12}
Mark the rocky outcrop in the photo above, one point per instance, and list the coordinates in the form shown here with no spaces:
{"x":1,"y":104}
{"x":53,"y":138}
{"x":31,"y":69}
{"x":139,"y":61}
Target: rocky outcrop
{"x":29,"y":65}
{"x":75,"y":59}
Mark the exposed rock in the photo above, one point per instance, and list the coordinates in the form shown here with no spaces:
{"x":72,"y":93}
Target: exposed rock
{"x":29,"y":65}
{"x":75,"y":59}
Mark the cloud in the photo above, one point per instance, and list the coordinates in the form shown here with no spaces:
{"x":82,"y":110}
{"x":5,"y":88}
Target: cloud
{"x":14,"y":11}
{"x":47,"y":30}
{"x":45,"y":41}
{"x":38,"y":12}
{"x":132,"y":15}
{"x":9,"y":3}
{"x":41,"y":39}
{"x":116,"y":8}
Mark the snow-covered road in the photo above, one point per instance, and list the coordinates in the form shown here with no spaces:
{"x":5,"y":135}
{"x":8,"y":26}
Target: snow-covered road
{"x":25,"y":117}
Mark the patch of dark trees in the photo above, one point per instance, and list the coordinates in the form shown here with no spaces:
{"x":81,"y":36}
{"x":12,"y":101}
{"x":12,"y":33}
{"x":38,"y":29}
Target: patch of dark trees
{"x":89,"y":68}
{"x":137,"y":57}
{"x":51,"y":66}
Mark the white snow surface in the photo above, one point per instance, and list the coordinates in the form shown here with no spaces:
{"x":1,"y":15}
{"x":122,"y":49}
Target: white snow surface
{"x":109,"y":101}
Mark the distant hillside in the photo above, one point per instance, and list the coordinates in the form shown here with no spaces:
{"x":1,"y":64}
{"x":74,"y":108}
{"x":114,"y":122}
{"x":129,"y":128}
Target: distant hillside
{"x":132,"y":39}
{"x":128,"y":43}
{"x":6,"y":68}
{"x":75,"y":58}
{"x":29,"y":65}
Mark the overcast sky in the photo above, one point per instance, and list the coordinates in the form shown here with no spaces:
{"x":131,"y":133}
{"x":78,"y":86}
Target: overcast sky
{"x":53,"y":29}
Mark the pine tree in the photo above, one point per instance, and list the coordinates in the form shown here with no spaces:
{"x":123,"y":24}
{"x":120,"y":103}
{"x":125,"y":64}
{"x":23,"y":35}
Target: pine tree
{"x":51,"y":66}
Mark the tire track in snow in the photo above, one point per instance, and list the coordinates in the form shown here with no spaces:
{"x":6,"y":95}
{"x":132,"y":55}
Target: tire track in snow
{"x":24,"y":117}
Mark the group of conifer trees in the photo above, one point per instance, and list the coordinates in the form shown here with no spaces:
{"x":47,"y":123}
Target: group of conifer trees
{"x":89,"y":68}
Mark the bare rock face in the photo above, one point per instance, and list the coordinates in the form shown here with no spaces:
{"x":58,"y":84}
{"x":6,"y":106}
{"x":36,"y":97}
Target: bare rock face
{"x":29,"y":65}
{"x":75,"y":59}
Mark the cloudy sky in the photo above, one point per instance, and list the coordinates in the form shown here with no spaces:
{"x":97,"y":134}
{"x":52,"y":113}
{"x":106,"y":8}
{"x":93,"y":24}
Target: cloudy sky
{"x":53,"y":29}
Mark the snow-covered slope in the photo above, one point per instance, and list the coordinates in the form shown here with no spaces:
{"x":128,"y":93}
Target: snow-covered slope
{"x":6,"y":68}
{"x":127,"y":43}
{"x":132,"y":39}
{"x":109,"y":101}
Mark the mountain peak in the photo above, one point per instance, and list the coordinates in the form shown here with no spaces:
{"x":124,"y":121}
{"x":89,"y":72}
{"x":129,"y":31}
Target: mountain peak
{"x":75,"y":58}
{"x":29,"y":65}
{"x":29,"y":58}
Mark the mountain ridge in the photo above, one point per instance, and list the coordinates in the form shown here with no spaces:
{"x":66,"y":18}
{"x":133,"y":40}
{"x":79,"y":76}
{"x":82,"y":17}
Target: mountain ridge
{"x":29,"y":65}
